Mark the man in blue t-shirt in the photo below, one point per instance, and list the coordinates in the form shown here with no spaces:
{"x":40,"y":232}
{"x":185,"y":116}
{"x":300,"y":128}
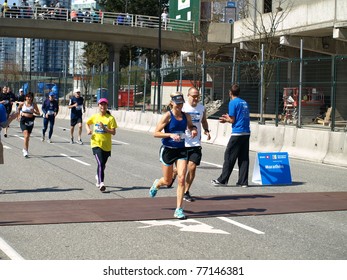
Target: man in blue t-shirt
{"x":238,"y":145}
{"x":77,"y":107}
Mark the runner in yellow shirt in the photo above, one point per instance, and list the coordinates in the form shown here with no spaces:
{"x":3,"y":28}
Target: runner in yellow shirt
{"x":104,"y":126}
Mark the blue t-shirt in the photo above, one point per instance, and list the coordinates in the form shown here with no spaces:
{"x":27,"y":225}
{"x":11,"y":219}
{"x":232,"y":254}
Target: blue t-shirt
{"x":76,"y":112}
{"x":3,"y":114}
{"x":177,"y":127}
{"x":238,"y":108}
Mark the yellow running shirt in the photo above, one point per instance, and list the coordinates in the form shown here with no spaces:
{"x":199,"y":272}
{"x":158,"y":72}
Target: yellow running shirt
{"x":99,"y":137}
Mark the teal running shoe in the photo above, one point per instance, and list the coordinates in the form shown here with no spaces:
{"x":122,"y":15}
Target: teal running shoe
{"x":153,"y":190}
{"x":179,"y":214}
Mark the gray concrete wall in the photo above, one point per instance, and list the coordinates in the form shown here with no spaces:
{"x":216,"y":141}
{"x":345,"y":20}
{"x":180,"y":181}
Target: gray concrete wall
{"x":314,"y":145}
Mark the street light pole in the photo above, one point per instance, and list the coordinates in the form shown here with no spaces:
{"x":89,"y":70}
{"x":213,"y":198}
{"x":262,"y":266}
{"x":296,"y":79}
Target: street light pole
{"x":159,"y":57}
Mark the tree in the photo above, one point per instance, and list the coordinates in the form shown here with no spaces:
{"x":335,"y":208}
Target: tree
{"x":263,"y":25}
{"x":11,"y":72}
{"x":140,"y":7}
{"x":95,"y":55}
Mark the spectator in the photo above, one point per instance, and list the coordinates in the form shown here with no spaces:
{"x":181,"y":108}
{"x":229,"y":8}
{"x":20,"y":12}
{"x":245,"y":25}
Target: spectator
{"x":73,"y":15}
{"x":80,"y":15}
{"x":120,"y":19}
{"x":164,"y":18}
{"x":14,"y":11}
{"x":4,"y":9}
{"x":238,"y":145}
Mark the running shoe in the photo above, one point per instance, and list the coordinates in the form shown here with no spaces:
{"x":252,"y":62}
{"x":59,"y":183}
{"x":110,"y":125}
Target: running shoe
{"x":79,"y":141}
{"x":216,"y":183}
{"x":153,"y":190}
{"x":49,"y":141}
{"x":102,"y":187}
{"x":72,"y":141}
{"x":179,"y":214}
{"x":43,"y":138}
{"x":173,"y":180}
{"x":25,"y":153}
{"x":187,"y":197}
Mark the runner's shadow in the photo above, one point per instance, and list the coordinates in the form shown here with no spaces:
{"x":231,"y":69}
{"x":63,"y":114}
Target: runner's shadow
{"x":39,"y":190}
{"x":125,"y":189}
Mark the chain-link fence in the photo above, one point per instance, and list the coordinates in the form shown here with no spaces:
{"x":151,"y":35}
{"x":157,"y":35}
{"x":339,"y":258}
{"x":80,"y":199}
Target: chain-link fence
{"x":307,"y":92}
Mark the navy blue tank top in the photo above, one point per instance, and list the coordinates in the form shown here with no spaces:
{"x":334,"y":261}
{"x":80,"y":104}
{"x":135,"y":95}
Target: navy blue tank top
{"x":177,"y":127}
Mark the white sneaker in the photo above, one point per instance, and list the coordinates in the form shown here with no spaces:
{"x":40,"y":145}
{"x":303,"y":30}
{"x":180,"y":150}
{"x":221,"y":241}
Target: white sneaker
{"x":25,"y":153}
{"x":79,"y":142}
{"x":49,"y":141}
{"x":102,"y":187}
{"x":43,"y":139}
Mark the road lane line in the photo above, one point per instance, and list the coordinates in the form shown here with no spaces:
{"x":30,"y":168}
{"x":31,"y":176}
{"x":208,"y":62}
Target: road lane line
{"x":217,"y":165}
{"x":120,"y":142}
{"x":19,"y":136}
{"x":82,"y":162}
{"x":213,"y":164}
{"x":240,"y":225}
{"x":7,"y":147}
{"x":9,"y":251}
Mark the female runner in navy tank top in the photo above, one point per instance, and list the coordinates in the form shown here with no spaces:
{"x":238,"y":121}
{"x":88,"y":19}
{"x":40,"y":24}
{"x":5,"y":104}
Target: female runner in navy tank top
{"x":171,"y":128}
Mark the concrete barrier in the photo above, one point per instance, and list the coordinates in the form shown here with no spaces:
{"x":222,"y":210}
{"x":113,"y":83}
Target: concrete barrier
{"x":307,"y":144}
{"x":64,"y":112}
{"x":223,"y":134}
{"x":268,"y":138}
{"x":337,"y":149}
{"x":146,"y":121}
{"x":119,"y":115}
{"x":131,"y":119}
{"x":156,"y":118}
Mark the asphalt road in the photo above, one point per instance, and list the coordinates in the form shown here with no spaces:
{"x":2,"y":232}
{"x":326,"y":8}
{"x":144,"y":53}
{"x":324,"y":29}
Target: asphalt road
{"x":61,"y":171}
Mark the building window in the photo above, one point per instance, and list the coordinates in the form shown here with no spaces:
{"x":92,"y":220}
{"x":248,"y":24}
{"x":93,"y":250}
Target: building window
{"x":267,"y":6}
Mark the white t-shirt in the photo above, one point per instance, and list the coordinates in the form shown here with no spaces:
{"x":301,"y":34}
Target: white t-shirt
{"x":196,"y":114}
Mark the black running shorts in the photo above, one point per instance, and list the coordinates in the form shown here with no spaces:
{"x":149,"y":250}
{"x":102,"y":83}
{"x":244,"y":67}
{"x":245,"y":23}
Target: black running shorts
{"x":168,"y":156}
{"x":194,"y":154}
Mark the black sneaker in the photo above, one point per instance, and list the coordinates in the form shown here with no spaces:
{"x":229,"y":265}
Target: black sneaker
{"x":243,"y":186}
{"x":216,"y":183}
{"x":173,"y":180}
{"x":188,"y":198}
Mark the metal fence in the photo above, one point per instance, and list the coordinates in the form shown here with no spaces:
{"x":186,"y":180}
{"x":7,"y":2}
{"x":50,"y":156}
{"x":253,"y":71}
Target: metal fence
{"x":101,"y":17}
{"x":317,"y":97}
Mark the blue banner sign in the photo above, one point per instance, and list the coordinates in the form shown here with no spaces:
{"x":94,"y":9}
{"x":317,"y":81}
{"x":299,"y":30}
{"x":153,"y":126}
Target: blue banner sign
{"x":272,"y":169}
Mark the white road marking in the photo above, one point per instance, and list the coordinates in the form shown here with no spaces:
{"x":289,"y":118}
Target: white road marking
{"x":120,"y":142}
{"x":189,"y":225}
{"x":7,"y":147}
{"x":9,"y":251}
{"x":217,"y":165}
{"x":241,"y":225}
{"x":82,"y":162}
{"x":19,"y":136}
